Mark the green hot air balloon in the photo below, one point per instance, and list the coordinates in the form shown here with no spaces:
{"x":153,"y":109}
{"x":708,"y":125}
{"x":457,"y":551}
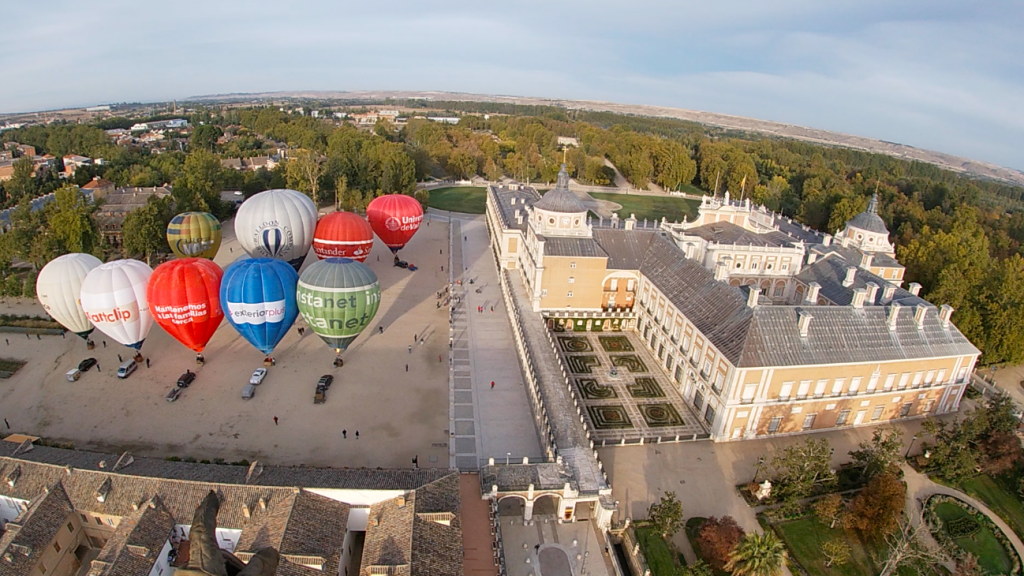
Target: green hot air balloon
{"x":194,"y":235}
{"x":338,"y":298}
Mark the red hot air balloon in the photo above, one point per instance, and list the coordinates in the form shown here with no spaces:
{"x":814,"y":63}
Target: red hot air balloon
{"x":395,"y":218}
{"x":343,"y":235}
{"x":184,"y":296}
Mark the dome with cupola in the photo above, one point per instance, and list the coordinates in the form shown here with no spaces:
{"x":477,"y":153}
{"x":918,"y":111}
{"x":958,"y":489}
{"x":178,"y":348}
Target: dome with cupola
{"x":561,"y":199}
{"x":867,"y":230}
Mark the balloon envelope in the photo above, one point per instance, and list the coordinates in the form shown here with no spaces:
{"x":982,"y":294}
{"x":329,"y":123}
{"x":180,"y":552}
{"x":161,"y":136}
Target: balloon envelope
{"x":343,"y":235}
{"x":194,"y":235}
{"x":59,"y":287}
{"x":184,"y":296}
{"x":277,"y":224}
{"x":395,"y":218}
{"x":338,"y":298}
{"x":114,"y":299}
{"x":258,"y":298}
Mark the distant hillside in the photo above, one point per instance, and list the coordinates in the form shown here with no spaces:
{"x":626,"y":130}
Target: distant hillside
{"x":955,"y":163}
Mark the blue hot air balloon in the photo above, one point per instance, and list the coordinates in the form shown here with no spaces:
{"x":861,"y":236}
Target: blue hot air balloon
{"x":258,"y":297}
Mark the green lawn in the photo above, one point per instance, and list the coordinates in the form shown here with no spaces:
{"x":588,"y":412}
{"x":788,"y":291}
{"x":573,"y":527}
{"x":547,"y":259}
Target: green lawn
{"x":466,"y":199}
{"x":983,"y":545}
{"x":804,"y":537}
{"x":651,"y":207}
{"x":999,"y":497}
{"x":657,"y":552}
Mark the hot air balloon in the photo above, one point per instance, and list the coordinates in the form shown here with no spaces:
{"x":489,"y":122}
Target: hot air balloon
{"x":114,"y":299}
{"x":184,"y":296}
{"x":194,"y":235}
{"x":343,"y":235}
{"x":58,"y":288}
{"x":395,"y":218}
{"x":277,"y":224}
{"x":338,"y":298}
{"x":258,"y":299}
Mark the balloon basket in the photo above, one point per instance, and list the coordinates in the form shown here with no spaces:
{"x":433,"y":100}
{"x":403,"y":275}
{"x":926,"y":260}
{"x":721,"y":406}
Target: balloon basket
{"x":267,"y":362}
{"x":138,"y":357}
{"x":89,"y":344}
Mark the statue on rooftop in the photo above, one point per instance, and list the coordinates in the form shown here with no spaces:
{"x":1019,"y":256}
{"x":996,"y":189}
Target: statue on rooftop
{"x":207,"y":558}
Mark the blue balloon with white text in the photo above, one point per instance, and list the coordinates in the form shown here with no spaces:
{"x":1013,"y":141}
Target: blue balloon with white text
{"x":258,"y":298}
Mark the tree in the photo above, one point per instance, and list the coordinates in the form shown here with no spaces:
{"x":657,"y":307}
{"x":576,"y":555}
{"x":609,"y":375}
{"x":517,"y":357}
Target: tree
{"x":881,"y":453}
{"x":303,"y":171}
{"x":959,"y":446}
{"x":462,"y":164}
{"x":1002,"y":453}
{"x":69,"y":221}
{"x":22,"y":181}
{"x":905,"y":547}
{"x":968,"y":566}
{"x":144,"y":230}
{"x":205,"y":136}
{"x":716,"y":539}
{"x":699,"y":568}
{"x":878,"y":507}
{"x":836,"y":552}
{"x":758,"y":555}
{"x":800,"y":467}
{"x":198,"y":187}
{"x":829,"y":509}
{"x":29,"y":291}
{"x":666,"y":515}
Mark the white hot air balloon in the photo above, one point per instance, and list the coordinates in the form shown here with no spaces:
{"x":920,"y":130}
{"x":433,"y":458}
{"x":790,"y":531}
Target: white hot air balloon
{"x":58,"y":288}
{"x":114,"y":299}
{"x":277,"y":224}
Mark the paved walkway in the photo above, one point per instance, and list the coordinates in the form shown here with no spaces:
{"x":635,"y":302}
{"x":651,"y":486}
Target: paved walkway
{"x":489,"y":422}
{"x":920,"y":487}
{"x":476,"y":529}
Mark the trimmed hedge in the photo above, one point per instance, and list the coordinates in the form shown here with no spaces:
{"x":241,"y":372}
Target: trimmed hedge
{"x":944,"y":534}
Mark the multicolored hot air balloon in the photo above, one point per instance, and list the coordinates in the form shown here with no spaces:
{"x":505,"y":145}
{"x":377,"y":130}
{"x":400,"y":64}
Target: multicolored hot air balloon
{"x":114,"y":299}
{"x":194,"y":235}
{"x":338,"y":298}
{"x":58,"y":288}
{"x":395,"y":218}
{"x":343,"y":235}
{"x":184,"y":296}
{"x":277,"y":224}
{"x":258,"y":298}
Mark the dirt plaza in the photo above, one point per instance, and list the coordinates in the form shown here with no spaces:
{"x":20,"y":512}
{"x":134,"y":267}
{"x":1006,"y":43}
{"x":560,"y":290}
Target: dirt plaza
{"x":393,"y":389}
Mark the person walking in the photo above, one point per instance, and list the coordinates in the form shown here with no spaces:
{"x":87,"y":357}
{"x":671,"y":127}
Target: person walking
{"x":344,"y":433}
{"x":119,"y":360}
{"x":38,"y":337}
{"x":6,"y":423}
{"x":439,"y":358}
{"x":104,"y":343}
{"x":357,"y":434}
{"x":381,"y":328}
{"x":27,"y":337}
{"x":147,"y":362}
{"x":275,"y":420}
{"x":406,"y":367}
{"x":8,"y":340}
{"x":97,"y":366}
{"x":492,"y":384}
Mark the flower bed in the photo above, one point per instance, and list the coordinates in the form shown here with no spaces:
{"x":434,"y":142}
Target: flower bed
{"x":951,"y":520}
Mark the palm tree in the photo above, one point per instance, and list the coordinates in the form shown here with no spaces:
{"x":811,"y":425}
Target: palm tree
{"x":757,"y":555}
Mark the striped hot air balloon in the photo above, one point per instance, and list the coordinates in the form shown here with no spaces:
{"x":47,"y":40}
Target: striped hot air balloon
{"x":194,"y":235}
{"x":277,"y":224}
{"x":338,"y":298}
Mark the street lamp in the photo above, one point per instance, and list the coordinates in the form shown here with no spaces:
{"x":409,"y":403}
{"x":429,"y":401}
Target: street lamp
{"x":912,"y":439}
{"x":760,"y":462}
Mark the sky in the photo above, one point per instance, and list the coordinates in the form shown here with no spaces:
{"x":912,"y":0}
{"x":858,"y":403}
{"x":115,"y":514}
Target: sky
{"x":945,"y":75}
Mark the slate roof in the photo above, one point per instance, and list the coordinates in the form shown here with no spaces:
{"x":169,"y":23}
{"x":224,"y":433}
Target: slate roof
{"x":502,"y":196}
{"x":729,"y":233}
{"x":25,"y":540}
{"x":869,"y":219}
{"x":581,"y":247}
{"x":625,"y":248}
{"x":136,"y":544}
{"x":853,"y":255}
{"x":768,"y":335}
{"x":830,"y":273}
{"x":560,"y":198}
{"x":798,"y":231}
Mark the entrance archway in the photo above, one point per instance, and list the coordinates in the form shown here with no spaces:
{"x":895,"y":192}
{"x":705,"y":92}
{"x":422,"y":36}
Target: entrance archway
{"x":512,"y":506}
{"x":546,"y":505}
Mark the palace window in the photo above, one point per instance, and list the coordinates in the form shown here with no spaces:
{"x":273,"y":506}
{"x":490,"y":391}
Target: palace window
{"x":572,"y":280}
{"x":787,"y":389}
{"x":877,"y":415}
{"x":569,"y":295}
{"x":809,"y":421}
{"x":709,"y":415}
{"x":572,"y":264}
{"x":843,"y":416}
{"x":773,"y":426}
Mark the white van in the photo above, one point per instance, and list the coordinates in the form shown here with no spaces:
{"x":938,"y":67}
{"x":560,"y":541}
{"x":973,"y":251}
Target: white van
{"x":125,"y":370}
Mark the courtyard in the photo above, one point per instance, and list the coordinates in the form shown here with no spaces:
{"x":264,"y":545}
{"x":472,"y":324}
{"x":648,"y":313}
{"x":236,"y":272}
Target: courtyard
{"x":392,"y":390}
{"x":626,"y":394}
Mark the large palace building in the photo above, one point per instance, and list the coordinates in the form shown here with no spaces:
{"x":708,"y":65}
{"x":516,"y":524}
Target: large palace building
{"x":764,"y":325}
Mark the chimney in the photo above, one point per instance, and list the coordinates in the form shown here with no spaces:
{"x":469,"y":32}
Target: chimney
{"x":945,"y":314}
{"x":812,"y":293}
{"x":721,"y":271}
{"x":245,"y":510}
{"x":851,"y":275}
{"x":872,"y":293}
{"x":400,"y":501}
{"x":914,"y":288}
{"x":631,"y":222}
{"x":263,"y":504}
{"x":812,"y":258}
{"x":920,"y":311}
{"x":752,"y":297}
{"x":865,"y":261}
{"x":826,"y":240}
{"x":519,"y":216}
{"x":513,"y":201}
{"x":888,"y":293}
{"x":859,"y":294}
{"x":803,"y":319}
{"x":894,"y":313}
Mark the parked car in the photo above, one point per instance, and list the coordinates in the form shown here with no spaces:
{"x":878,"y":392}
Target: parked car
{"x":401,"y":263}
{"x":125,"y":370}
{"x":185,"y":379}
{"x":320,"y":396}
{"x":173,"y":394}
{"x":257,"y":376}
{"x":248,"y":391}
{"x":325,"y":381}
{"x":84,"y":365}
